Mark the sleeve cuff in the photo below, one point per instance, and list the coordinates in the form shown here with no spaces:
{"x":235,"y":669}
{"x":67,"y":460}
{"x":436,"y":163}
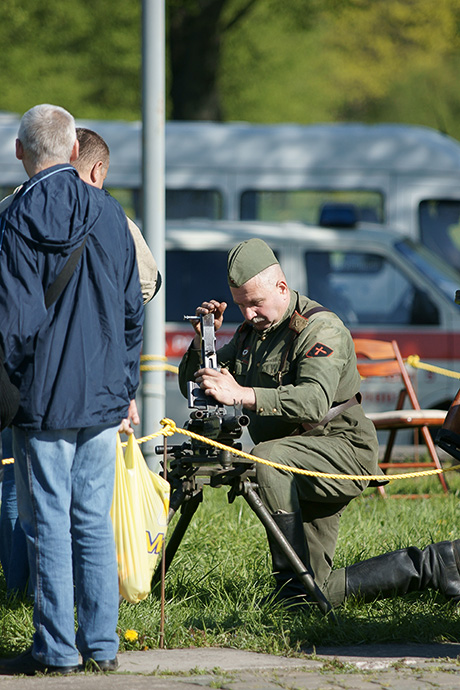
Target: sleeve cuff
{"x":267,"y":404}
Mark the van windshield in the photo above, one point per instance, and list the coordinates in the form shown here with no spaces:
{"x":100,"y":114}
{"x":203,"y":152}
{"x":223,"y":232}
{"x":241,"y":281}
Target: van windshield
{"x":437,"y":270}
{"x":440,"y":228}
{"x":366,"y":288}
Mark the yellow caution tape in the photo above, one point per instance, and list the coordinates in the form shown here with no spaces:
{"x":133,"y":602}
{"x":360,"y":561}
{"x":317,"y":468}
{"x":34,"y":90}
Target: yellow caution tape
{"x":160,"y":367}
{"x":156,"y":358}
{"x":414,"y":361}
{"x":170,"y":428}
{"x":157,"y":367}
{"x":411,"y":360}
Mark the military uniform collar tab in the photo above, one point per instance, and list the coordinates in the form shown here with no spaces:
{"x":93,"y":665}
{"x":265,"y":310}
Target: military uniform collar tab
{"x":298,"y":322}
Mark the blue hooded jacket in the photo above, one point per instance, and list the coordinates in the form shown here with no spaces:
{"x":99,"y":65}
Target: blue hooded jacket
{"x":77,"y":363}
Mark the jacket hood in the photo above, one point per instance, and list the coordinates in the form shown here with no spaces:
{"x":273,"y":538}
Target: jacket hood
{"x":58,"y":214}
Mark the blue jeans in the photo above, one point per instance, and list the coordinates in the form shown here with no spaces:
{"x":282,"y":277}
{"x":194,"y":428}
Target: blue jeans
{"x":64,"y":481}
{"x":13,"y":549}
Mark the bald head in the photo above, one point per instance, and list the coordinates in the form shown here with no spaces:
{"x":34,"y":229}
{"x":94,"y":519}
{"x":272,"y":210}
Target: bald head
{"x":269,"y":277}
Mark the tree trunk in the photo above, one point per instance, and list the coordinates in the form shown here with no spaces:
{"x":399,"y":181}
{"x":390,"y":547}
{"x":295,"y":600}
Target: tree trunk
{"x":194,"y":48}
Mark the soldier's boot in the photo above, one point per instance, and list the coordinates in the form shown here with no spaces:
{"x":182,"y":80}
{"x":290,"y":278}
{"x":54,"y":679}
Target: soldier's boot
{"x":407,"y":570}
{"x":288,"y":589}
{"x":448,"y":436}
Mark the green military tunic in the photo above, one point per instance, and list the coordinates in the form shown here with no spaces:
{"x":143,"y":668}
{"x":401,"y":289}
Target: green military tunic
{"x":299,"y":368}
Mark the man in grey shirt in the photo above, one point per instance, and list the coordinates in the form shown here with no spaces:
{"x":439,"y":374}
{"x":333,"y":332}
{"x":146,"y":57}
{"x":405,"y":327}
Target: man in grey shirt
{"x":92,"y":165}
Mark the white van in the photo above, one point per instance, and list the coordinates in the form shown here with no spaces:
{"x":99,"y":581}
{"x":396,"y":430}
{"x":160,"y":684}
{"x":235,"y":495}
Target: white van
{"x":400,"y":176}
{"x":381,"y":284}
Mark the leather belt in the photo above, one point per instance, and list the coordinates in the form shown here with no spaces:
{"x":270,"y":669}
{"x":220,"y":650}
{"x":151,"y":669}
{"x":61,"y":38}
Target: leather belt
{"x":336,"y":409}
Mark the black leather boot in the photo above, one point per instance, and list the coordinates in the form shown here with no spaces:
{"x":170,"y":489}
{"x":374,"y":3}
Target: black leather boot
{"x":288,"y":588}
{"x":407,"y":570}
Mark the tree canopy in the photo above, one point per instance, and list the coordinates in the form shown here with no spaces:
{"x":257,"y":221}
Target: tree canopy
{"x":254,"y":60}
{"x":84,"y":55}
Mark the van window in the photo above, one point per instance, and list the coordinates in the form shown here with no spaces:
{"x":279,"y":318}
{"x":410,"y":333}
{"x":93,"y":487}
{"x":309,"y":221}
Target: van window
{"x":192,"y":278}
{"x":193,"y":203}
{"x":440,"y":228}
{"x":366,"y":289}
{"x":305,"y":205}
{"x":180,"y":203}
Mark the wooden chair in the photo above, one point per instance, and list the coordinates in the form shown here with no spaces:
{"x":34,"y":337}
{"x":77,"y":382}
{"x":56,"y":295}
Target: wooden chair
{"x":381,"y":358}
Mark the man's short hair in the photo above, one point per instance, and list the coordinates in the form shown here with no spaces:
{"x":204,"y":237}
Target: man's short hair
{"x":93,"y":148}
{"x":47,"y":134}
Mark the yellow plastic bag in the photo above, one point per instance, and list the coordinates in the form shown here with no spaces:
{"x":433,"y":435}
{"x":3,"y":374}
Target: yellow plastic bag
{"x":139,"y":516}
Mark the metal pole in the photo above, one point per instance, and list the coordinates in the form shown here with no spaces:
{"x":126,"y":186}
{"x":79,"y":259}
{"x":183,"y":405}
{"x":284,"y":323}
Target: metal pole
{"x":153,"y":194}
{"x":304,"y":574}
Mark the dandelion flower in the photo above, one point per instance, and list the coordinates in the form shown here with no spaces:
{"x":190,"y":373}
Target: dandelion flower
{"x":131,"y":635}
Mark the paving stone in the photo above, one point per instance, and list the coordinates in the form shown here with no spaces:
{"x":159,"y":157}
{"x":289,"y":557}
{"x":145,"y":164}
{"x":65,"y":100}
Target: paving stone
{"x":362,"y":667}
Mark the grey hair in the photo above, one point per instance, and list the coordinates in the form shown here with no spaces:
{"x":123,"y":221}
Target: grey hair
{"x":47,"y":134}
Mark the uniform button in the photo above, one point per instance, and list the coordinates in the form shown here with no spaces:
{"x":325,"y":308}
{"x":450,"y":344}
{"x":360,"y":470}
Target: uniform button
{"x":261,"y":409}
{"x":258,"y":364}
{"x":275,"y":410}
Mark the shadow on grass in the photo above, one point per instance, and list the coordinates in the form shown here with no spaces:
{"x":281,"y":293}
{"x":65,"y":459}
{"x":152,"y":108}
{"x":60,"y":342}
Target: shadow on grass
{"x":425,"y":618}
{"x":416,"y":618}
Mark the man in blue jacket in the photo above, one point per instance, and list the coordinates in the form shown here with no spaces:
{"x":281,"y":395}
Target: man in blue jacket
{"x":72,"y":346}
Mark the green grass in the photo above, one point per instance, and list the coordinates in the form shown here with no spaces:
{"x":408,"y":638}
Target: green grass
{"x":222,"y":570}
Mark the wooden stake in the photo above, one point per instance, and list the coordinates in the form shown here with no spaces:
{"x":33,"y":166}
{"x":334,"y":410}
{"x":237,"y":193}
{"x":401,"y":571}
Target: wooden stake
{"x":163,"y":558}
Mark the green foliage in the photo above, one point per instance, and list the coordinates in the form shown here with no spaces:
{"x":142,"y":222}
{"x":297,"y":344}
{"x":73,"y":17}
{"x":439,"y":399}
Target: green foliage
{"x":380,"y":60}
{"x":274,"y":71}
{"x":321,"y":60}
{"x":82,"y":55}
{"x":384,"y":47}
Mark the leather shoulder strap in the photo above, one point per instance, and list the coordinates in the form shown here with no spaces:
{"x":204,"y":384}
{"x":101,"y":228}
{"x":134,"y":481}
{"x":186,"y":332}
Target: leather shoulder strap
{"x":298,"y":322}
{"x":57,"y":287}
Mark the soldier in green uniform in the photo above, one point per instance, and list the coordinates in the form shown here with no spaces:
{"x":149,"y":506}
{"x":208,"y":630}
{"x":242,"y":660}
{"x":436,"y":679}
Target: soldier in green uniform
{"x":292,"y":365}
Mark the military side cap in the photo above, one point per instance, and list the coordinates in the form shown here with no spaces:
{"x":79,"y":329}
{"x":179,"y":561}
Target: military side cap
{"x":248,"y":259}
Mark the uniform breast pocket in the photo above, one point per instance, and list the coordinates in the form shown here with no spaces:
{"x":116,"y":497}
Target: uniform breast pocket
{"x":239,"y":371}
{"x":269,"y":374}
{"x":270,"y":371}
